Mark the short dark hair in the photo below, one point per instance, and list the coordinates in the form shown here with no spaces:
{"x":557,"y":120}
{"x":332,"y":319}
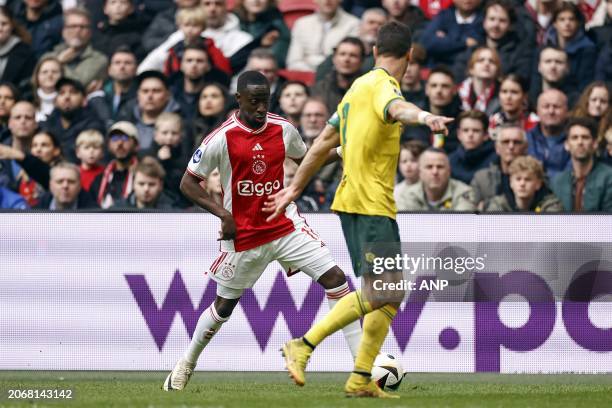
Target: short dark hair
{"x":572,"y":8}
{"x":197,"y":47}
{"x":444,"y":70}
{"x":419,"y":54}
{"x":476,"y":115}
{"x":506,"y":5}
{"x":152,"y":74}
{"x":588,"y":123}
{"x":517,"y":79}
{"x":354,"y":41}
{"x":123,"y":49}
{"x":394,"y":39}
{"x":251,"y":78}
{"x":263,"y":53}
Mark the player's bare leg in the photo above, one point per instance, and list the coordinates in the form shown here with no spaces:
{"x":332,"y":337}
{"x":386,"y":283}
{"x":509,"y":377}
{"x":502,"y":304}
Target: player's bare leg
{"x":208,"y":325}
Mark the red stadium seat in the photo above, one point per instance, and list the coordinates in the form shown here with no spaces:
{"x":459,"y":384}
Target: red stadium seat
{"x":307,"y":77}
{"x":294,"y":9}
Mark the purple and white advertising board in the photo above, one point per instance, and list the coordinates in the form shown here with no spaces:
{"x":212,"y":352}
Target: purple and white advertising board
{"x":124,"y":292}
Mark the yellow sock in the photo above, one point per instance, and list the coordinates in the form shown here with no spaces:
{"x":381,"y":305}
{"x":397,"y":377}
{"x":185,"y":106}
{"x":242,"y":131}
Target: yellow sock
{"x":348,"y":309}
{"x":375,"y":328}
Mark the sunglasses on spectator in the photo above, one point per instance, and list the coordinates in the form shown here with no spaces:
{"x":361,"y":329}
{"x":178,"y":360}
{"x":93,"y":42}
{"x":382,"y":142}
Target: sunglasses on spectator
{"x":116,"y":137}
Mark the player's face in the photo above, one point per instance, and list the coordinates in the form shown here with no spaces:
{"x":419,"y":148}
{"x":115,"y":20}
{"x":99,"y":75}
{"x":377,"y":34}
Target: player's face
{"x":65,"y":186}
{"x":147,"y":189}
{"x":510,"y":144}
{"x":580,"y":144}
{"x":440,"y":90}
{"x":471,"y":133}
{"x":434,"y":170}
{"x":254,"y":103}
{"x":43,"y":148}
{"x":598,"y":102}
{"x":408,"y":166}
{"x":525,"y":184}
{"x":511,"y":97}
{"x":496,"y":22}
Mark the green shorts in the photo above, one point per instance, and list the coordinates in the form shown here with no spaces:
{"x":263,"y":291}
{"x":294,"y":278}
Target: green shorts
{"x":362,"y":234}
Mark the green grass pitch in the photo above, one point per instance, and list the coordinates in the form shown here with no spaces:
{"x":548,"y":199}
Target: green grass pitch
{"x":271,"y":390}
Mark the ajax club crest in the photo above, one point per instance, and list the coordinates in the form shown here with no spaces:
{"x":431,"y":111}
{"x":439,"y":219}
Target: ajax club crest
{"x":259,"y":165}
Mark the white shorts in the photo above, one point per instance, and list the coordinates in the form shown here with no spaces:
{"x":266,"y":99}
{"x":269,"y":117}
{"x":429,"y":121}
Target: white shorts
{"x":301,"y":249}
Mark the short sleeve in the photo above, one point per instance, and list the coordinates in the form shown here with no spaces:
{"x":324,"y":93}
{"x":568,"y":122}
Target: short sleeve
{"x":207,"y":157}
{"x":294,"y":145}
{"x":384,"y":92}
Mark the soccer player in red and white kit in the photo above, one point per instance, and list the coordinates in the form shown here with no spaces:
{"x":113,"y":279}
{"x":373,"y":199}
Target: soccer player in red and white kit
{"x":249,"y":149}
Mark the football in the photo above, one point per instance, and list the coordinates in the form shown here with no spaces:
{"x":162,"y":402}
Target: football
{"x":387,"y":371}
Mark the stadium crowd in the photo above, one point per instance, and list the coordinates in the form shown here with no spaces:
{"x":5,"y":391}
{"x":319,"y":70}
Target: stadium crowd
{"x":102,"y":102}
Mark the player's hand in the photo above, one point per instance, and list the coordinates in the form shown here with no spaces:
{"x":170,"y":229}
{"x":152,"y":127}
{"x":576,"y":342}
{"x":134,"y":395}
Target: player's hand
{"x":437,"y":124}
{"x":277,"y":203}
{"x":228,"y":228}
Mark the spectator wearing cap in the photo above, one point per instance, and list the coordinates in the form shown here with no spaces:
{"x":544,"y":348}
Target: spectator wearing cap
{"x":347,"y":59}
{"x":118,"y":89}
{"x":148,"y":193}
{"x":195,"y":72}
{"x":43,"y":20}
{"x":152,"y":98}
{"x":116,"y":181}
{"x":587,"y":184}
{"x":65,"y":190}
{"x":80,"y":60}
{"x":71,"y":116}
{"x":315,"y":36}
{"x":546,"y":140}
{"x":529,"y":190}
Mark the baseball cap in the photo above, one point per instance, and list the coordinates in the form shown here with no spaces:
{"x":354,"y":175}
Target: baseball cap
{"x":124,"y":127}
{"x":69,"y":81}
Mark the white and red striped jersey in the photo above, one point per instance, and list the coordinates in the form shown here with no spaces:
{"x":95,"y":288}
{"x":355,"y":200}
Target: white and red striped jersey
{"x":250,"y":163}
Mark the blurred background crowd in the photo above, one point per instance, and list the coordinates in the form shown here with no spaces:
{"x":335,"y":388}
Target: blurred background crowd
{"x":102,"y":102}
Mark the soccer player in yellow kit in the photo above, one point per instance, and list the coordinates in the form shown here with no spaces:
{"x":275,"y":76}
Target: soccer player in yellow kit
{"x":367,"y":127}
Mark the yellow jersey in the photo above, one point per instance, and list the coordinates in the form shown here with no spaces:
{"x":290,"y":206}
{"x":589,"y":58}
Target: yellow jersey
{"x":370,"y":145}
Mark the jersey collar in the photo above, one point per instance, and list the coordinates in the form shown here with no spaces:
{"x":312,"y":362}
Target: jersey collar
{"x":245,"y":127}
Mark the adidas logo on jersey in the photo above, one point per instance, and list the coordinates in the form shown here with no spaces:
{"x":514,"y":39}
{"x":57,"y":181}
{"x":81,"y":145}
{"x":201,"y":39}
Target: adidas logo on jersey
{"x":257,"y":147}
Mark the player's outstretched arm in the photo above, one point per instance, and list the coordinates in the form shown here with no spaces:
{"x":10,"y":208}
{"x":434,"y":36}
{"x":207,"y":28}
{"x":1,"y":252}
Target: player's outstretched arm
{"x":409,"y":113}
{"x":317,"y":156}
{"x":191,"y":188}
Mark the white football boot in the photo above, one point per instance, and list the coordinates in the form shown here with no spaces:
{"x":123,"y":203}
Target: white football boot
{"x":179,"y":377}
